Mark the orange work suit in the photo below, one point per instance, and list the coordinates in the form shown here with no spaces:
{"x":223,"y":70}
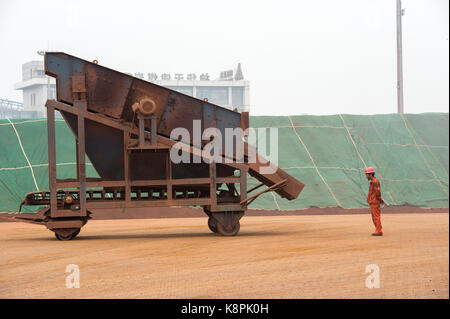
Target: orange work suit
{"x":374,"y":200}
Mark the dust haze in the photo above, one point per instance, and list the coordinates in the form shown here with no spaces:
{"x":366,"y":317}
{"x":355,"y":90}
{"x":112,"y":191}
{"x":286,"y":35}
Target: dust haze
{"x":301,"y":57}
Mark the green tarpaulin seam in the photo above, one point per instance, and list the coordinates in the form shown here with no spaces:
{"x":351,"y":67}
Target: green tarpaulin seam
{"x":420,"y":151}
{"x":25,"y":154}
{"x":314,"y":163}
{"x":393,"y":145}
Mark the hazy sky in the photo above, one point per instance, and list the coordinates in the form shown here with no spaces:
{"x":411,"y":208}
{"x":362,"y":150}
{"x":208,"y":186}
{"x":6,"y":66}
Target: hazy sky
{"x":314,"y":57}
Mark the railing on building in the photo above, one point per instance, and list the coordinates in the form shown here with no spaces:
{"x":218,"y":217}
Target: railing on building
{"x":14,"y":110}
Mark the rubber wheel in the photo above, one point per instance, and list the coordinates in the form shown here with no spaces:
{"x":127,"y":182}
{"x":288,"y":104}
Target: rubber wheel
{"x":75,"y":234}
{"x":212,"y":224}
{"x":67,"y":236}
{"x":63,"y":237}
{"x":225,"y":231}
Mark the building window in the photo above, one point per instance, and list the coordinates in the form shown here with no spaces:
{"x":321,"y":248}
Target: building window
{"x":33,"y":99}
{"x":182,"y":89}
{"x":52,"y":94}
{"x":237,"y":96}
{"x":215,"y":94}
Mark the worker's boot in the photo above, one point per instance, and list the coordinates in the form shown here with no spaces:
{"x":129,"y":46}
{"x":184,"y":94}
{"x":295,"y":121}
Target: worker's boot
{"x":377,"y":234}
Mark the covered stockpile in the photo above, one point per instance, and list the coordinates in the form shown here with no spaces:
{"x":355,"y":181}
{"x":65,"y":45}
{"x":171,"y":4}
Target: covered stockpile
{"x":410,"y":154}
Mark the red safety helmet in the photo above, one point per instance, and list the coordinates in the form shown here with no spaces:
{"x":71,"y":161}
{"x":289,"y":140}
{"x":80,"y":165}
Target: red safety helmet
{"x":369,"y":170}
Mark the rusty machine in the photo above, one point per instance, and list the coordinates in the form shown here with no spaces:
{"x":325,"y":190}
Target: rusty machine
{"x":123,"y":125}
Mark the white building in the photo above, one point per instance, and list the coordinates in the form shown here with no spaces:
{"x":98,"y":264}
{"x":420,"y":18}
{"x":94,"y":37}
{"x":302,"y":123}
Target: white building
{"x":36,"y":88}
{"x":230,"y":90}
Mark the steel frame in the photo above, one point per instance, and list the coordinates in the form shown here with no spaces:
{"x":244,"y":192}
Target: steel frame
{"x":82,"y":183}
{"x":105,"y":109}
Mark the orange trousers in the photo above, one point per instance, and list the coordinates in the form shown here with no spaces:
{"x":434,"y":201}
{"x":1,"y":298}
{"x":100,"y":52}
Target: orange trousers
{"x":376,"y":218}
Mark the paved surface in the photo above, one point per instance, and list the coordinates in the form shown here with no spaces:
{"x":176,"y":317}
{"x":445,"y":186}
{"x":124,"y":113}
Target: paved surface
{"x":272,"y":257}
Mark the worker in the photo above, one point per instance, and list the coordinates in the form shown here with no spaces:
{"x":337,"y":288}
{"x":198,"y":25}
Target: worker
{"x":374,"y":200}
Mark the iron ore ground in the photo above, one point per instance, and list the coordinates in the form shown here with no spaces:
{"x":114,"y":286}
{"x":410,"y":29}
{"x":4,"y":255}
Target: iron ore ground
{"x":289,"y":256}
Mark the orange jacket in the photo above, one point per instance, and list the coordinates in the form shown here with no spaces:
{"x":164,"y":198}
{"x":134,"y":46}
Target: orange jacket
{"x":374,"y":196}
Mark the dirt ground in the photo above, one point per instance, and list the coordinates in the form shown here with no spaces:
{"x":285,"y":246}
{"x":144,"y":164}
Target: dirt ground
{"x":177,"y":212}
{"x":312,"y":256}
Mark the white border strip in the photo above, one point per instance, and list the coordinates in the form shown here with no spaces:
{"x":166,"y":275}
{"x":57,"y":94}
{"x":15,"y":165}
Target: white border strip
{"x":275,"y":200}
{"x":310,"y":126}
{"x":363,"y":141}
{"x":394,"y":144}
{"x":368,"y":150}
{"x":36,"y":165}
{"x":432,"y":154}
{"x":30,"y":121}
{"x":353,"y":141}
{"x":423,"y":157}
{"x":326,"y":167}
{"x":314,"y":163}
{"x":24,"y":154}
{"x":365,"y":166}
{"x":361,"y":169}
{"x":422,"y":180}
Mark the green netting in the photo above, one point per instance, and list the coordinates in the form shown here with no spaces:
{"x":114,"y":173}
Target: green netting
{"x":26,"y":170}
{"x":329,"y":154}
{"x":410,"y":154}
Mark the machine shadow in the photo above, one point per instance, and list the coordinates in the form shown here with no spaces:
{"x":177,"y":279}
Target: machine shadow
{"x":82,"y":237}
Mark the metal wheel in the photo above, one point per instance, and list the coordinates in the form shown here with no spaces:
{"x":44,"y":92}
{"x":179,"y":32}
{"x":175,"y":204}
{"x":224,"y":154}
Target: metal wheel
{"x":228,"y":231}
{"x":66,"y":233}
{"x":212,"y":224}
